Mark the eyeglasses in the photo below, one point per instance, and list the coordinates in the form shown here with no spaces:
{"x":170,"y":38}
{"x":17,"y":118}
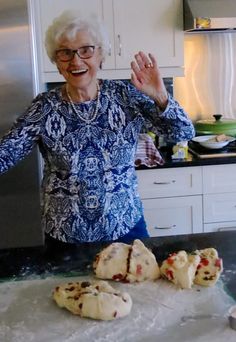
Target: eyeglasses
{"x":66,"y":55}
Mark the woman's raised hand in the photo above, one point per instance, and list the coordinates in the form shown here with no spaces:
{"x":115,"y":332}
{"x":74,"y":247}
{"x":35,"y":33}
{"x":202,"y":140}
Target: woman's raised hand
{"x":146,"y":77}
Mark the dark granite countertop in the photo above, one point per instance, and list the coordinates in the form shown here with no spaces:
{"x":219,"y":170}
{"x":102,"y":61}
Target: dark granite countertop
{"x":166,"y":153}
{"x":75,"y":260}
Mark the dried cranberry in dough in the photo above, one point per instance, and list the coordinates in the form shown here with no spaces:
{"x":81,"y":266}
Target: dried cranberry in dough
{"x":127,"y":263}
{"x":142,"y":263}
{"x":209,"y":267}
{"x":180,"y":269}
{"x":111,"y":262}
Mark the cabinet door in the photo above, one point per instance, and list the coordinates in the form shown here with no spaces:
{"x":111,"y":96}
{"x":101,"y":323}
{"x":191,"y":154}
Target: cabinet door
{"x":152,"y":26}
{"x":49,"y":9}
{"x":170,"y":182}
{"x":173,"y":216}
{"x":219,"y":227}
{"x":219,"y":178}
{"x":219,"y":207}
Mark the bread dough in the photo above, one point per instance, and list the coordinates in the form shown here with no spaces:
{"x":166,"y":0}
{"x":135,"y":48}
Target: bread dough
{"x":209,"y":268}
{"x":180,"y":268}
{"x":97,"y":300}
{"x":142,"y":264}
{"x":128,"y":263}
{"x":111,"y":262}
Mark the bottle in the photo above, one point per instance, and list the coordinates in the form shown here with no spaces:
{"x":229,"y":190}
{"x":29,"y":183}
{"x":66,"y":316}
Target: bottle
{"x":180,"y":150}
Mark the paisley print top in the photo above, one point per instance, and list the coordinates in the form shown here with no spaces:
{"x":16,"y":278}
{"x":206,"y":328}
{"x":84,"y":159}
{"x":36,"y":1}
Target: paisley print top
{"x":89,"y":186}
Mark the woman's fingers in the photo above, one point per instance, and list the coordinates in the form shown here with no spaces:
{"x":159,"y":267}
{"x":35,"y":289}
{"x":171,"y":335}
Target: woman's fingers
{"x":139,"y":60}
{"x":146,"y":60}
{"x":135,"y":68}
{"x":153,"y":60}
{"x":143,"y":61}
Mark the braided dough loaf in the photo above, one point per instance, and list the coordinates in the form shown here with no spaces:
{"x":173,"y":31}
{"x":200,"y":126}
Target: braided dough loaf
{"x":97,"y":300}
{"x":128,"y":263}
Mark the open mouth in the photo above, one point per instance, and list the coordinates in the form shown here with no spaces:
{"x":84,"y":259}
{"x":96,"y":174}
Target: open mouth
{"x":78,"y":72}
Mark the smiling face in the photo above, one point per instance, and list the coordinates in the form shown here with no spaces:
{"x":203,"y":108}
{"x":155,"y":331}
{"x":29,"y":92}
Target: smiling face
{"x":80,"y":74}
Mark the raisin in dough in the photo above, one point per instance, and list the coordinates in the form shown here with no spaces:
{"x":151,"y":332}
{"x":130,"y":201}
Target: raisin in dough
{"x":209,"y":268}
{"x":142,"y":264}
{"x":111,"y":262}
{"x":97,"y":300}
{"x":128,"y":263}
{"x":180,"y":268}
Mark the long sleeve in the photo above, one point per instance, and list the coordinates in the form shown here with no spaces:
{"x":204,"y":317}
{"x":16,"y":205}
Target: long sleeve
{"x":21,"y":138}
{"x":173,"y":123}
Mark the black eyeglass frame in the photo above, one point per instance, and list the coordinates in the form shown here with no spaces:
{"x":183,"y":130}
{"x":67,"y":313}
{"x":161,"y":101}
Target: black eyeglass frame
{"x":74,"y":52}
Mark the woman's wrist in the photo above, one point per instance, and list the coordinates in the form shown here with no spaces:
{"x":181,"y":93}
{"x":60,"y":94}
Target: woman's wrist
{"x":161,"y":100}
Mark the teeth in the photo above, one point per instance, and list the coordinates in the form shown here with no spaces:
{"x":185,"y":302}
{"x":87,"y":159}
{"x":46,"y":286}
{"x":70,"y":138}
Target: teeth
{"x":78,"y":71}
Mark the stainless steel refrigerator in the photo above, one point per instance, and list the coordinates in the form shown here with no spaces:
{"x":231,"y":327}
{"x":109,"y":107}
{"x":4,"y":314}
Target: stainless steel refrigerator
{"x":19,"y":187}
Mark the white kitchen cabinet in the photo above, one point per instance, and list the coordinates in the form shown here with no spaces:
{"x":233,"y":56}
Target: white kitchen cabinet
{"x":219,"y":178}
{"x":219,"y":227}
{"x":152,"y":26}
{"x":219,"y":197}
{"x":173,"y":216}
{"x":171,"y":182}
{"x":219,"y":207}
{"x":172,"y":200}
{"x":189,"y":199}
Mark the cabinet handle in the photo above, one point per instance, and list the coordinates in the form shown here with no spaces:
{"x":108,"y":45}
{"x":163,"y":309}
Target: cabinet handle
{"x":164,"y":183}
{"x":168,"y":227}
{"x":120,"y":45}
{"x":224,"y":229}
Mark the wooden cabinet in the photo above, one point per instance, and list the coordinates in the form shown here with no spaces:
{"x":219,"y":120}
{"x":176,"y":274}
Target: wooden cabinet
{"x":219,"y":197}
{"x":172,"y":200}
{"x":152,"y":26}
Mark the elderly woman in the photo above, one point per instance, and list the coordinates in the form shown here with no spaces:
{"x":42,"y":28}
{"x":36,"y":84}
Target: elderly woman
{"x":87,"y":132}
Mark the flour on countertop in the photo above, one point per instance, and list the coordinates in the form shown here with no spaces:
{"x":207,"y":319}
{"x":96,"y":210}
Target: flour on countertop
{"x":160,"y":310}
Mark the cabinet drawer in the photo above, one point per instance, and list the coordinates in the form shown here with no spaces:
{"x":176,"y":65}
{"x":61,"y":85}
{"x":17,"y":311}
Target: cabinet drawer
{"x":219,"y":207}
{"x":219,"y":178}
{"x":170,"y":182}
{"x":173,"y":216}
{"x":219,"y":227}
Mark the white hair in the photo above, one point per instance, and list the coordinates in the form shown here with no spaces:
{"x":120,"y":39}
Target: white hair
{"x":68,"y":24}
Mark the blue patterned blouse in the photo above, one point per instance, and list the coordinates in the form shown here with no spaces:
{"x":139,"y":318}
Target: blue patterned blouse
{"x":89,"y":187}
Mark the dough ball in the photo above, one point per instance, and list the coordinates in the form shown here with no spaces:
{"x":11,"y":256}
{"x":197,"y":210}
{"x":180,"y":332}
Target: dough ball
{"x":209,"y":268}
{"x":180,"y":268}
{"x":127,"y":263}
{"x":97,"y":300}
{"x":142,"y":263}
{"x":112,"y":262}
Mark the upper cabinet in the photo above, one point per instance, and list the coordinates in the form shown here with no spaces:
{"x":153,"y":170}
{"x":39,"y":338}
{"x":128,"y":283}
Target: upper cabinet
{"x":151,"y":26}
